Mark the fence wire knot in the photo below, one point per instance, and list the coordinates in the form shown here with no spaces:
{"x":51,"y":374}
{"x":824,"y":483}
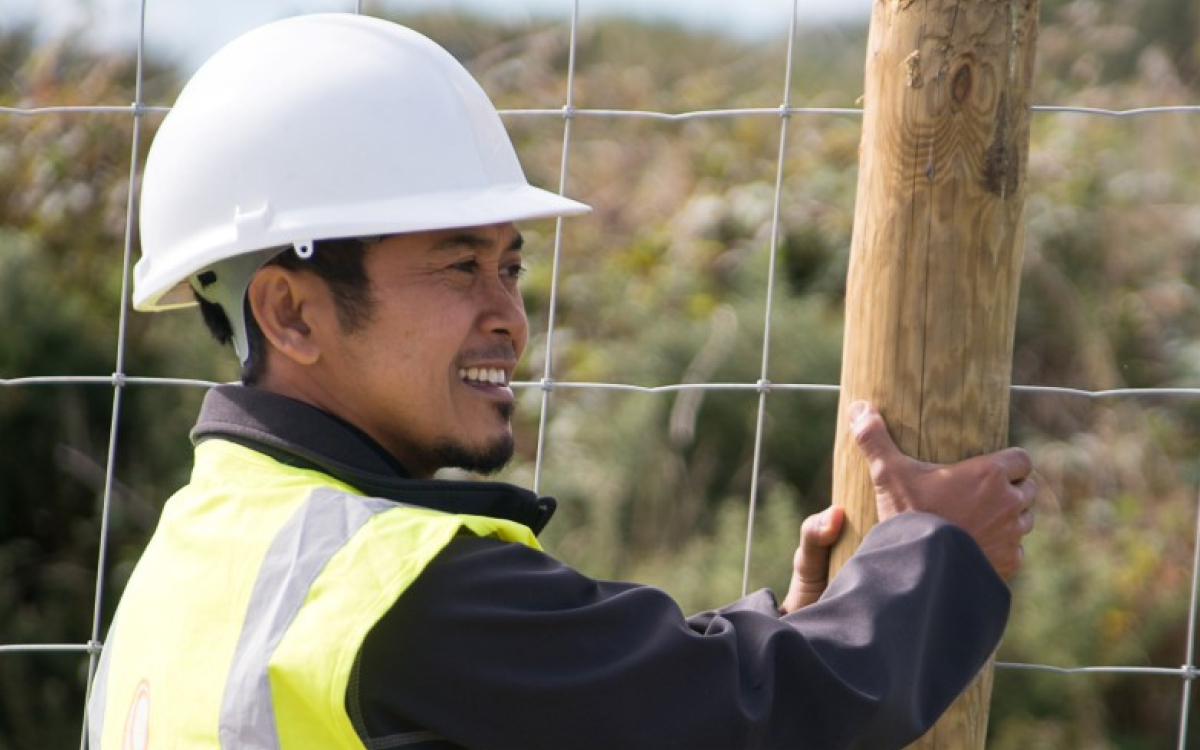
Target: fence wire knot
{"x":763,"y":385}
{"x":118,"y":380}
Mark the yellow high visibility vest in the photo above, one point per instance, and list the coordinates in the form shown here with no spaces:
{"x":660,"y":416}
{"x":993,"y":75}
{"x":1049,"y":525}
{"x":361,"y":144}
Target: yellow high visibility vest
{"x":241,"y":623}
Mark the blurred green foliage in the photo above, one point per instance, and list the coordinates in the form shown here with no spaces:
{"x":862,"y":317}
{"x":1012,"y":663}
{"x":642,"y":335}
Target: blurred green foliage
{"x":666,"y":283}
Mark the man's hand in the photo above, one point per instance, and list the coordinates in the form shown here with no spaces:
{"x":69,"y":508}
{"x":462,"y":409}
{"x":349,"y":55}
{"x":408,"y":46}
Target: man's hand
{"x":990,"y":496}
{"x":810,"y":565}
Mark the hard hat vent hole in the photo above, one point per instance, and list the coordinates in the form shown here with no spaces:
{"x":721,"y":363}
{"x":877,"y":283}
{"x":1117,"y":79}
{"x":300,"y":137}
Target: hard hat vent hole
{"x":304,"y":250}
{"x":207,"y":279}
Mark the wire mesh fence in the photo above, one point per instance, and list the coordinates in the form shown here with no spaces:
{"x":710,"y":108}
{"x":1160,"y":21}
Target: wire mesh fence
{"x":551,"y":385}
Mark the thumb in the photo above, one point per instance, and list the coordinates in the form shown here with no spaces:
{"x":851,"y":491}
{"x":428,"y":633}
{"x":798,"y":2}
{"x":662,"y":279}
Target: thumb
{"x":870,"y":433}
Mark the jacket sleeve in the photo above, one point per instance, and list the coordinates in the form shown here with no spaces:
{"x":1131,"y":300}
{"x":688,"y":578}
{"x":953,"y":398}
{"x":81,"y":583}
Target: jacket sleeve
{"x":500,"y":646}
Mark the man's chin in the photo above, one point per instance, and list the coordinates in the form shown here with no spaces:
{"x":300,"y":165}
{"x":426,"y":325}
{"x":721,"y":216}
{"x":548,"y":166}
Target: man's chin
{"x":485,"y":460}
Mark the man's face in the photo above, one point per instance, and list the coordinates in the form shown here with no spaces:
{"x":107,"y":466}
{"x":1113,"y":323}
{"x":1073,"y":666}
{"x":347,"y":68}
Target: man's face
{"x":428,"y":375}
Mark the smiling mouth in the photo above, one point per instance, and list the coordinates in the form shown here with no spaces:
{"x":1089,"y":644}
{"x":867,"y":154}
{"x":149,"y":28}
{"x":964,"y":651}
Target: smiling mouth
{"x":484,"y":376}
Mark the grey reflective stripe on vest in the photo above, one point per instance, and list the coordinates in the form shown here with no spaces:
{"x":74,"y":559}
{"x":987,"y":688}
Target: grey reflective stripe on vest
{"x":326,"y":521}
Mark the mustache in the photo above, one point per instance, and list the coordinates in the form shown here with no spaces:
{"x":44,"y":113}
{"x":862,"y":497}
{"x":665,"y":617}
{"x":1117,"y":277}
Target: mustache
{"x":496,"y":352}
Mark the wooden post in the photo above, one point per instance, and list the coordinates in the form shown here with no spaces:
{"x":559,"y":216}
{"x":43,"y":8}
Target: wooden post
{"x":936,"y":253}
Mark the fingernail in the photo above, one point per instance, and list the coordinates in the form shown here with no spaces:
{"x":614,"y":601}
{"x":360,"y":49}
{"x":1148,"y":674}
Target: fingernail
{"x":858,"y":415}
{"x":823,"y":521}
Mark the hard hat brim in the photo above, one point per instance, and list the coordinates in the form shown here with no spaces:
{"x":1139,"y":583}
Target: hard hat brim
{"x":164,"y":286}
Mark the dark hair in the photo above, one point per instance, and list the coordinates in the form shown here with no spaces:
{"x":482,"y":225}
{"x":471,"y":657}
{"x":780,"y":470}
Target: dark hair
{"x":341,"y":263}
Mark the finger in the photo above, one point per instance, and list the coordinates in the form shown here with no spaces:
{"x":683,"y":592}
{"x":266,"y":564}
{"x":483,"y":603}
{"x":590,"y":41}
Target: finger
{"x":835,"y":517}
{"x":1018,"y":561}
{"x":870,"y":433}
{"x":1011,"y":465}
{"x":1015,"y":462}
{"x":1025,"y":522}
{"x":811,"y":564}
{"x":1027,"y":490}
{"x":812,"y":558}
{"x":823,"y":529}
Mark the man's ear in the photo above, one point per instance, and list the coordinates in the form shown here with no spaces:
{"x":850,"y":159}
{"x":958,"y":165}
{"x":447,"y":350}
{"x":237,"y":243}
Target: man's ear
{"x":283,"y":303}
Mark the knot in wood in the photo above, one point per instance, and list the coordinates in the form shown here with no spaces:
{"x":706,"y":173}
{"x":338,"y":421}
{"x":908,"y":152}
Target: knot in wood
{"x":960,"y":85}
{"x":912,"y":67}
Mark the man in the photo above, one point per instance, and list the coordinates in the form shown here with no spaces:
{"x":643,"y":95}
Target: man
{"x":340,"y":197}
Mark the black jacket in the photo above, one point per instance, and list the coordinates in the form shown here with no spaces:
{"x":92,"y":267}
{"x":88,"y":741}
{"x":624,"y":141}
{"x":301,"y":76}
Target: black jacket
{"x":500,"y":646}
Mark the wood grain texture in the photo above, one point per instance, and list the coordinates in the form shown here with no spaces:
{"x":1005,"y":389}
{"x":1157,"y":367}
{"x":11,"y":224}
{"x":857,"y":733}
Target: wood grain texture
{"x":937,"y":250}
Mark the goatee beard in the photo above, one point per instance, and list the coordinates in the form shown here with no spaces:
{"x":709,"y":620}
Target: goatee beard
{"x":485,"y":460}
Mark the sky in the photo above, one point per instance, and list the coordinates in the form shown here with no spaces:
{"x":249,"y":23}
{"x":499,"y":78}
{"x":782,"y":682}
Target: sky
{"x":188,"y":31}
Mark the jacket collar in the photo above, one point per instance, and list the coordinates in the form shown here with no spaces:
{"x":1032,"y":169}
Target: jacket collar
{"x":300,"y":435}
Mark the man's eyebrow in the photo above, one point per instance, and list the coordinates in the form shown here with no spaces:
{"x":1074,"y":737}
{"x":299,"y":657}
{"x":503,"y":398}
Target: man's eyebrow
{"x":470,"y":241}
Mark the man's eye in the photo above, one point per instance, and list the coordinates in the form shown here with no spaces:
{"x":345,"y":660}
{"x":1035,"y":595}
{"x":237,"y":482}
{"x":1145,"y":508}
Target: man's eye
{"x":515,"y":271}
{"x":467,"y":266}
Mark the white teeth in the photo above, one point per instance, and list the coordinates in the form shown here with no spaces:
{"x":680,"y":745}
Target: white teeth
{"x":488,"y":375}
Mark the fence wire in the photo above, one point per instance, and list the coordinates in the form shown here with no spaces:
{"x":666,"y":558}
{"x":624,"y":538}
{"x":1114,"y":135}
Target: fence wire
{"x":569,"y":113}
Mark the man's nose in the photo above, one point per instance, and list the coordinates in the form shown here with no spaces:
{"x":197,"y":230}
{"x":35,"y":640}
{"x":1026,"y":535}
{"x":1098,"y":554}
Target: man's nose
{"x":504,"y":310}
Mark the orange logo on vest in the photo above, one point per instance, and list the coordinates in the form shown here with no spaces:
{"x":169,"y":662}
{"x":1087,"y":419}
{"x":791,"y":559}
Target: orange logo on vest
{"x":137,"y":722}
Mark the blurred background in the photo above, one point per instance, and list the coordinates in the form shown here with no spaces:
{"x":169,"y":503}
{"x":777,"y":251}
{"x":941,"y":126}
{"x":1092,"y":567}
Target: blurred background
{"x":664,"y":283}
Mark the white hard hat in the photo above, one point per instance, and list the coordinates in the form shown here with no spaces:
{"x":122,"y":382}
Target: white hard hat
{"x":318,"y":127}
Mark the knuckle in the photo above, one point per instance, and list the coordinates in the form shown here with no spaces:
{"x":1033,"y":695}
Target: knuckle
{"x":1022,"y":459}
{"x":866,"y":436}
{"x":884,"y":473}
{"x":808,"y":531}
{"x":993,"y":474}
